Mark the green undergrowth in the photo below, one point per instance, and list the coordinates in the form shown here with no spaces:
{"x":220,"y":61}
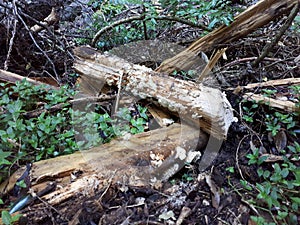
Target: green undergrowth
{"x":275,"y":196}
{"x":208,"y":13}
{"x":39,"y":123}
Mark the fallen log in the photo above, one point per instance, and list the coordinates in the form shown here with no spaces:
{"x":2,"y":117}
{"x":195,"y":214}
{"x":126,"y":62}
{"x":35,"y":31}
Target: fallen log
{"x":254,"y":17}
{"x":194,"y":102}
{"x":132,"y":161}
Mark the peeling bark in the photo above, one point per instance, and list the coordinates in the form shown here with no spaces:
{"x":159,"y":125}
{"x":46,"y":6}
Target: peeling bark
{"x":194,"y":102}
{"x":129,"y":162}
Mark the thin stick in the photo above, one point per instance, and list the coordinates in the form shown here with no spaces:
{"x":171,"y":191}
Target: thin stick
{"x":11,"y":41}
{"x":212,"y":62}
{"x":285,"y":26}
{"x":237,"y":157}
{"x":142,"y":17}
{"x":37,"y":45}
{"x":119,"y":91}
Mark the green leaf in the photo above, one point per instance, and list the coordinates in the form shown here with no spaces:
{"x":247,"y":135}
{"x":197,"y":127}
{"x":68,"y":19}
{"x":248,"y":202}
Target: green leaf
{"x":262,"y":159}
{"x":21,"y":184}
{"x":230,"y":169}
{"x":213,"y":23}
{"x":285,"y":172}
{"x":4,"y":155}
{"x":6,"y":217}
{"x":134,"y":130}
{"x":296,"y":200}
{"x":226,"y":21}
{"x":282,"y":215}
{"x":266,"y":174}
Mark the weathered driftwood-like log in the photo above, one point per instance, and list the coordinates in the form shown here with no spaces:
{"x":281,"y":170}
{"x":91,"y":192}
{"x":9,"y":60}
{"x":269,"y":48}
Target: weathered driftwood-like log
{"x":191,"y":101}
{"x":285,"y":105}
{"x":271,"y":83}
{"x":9,"y":77}
{"x":254,"y":17}
{"x":12,"y":78}
{"x":143,"y":159}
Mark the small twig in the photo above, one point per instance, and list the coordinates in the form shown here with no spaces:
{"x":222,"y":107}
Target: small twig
{"x":142,"y":17}
{"x":11,"y":41}
{"x":241,"y":119}
{"x":185,"y":212}
{"x":14,"y":143}
{"x":285,"y":26}
{"x":145,"y":24}
{"x":50,"y":75}
{"x":51,"y":19}
{"x":111,"y":26}
{"x":59,"y":106}
{"x":237,"y":157}
{"x":128,"y":206}
{"x":180,"y":20}
{"x":48,"y":205}
{"x":238,"y":61}
{"x":211,"y":63}
{"x":37,"y":45}
{"x":108,"y":186}
{"x":119,"y":91}
{"x":50,"y":32}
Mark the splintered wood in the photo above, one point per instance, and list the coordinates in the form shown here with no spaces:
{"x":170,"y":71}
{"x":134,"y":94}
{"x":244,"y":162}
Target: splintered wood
{"x":192,"y":102}
{"x":248,"y":21}
{"x":130,"y":162}
{"x":275,"y":103}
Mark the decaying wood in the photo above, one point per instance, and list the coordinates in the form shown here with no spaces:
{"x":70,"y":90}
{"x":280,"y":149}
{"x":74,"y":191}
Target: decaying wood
{"x":9,"y":77}
{"x":275,"y":103}
{"x":160,"y":115}
{"x":254,"y":17}
{"x":270,"y":83}
{"x":131,"y":162}
{"x":191,"y":101}
{"x":49,"y":20}
{"x":210,"y":65}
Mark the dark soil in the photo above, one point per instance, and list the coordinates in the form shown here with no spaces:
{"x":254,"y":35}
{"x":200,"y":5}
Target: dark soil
{"x":188,"y":191}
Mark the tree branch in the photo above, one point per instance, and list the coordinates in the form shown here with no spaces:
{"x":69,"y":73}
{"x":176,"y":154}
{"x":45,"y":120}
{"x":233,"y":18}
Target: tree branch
{"x":142,"y":17}
{"x":285,"y":26}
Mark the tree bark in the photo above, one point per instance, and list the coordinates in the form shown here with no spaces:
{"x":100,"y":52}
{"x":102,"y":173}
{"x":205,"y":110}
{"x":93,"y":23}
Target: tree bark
{"x":134,"y":161}
{"x":254,"y":17}
{"x":193,"y":102}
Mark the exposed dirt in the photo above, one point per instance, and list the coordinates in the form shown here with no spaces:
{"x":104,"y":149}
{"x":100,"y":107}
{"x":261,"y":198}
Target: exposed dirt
{"x":189,"y":194}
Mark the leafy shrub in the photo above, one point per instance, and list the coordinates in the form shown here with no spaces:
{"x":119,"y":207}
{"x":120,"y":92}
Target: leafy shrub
{"x":216,"y":12}
{"x":213,"y":13}
{"x":49,"y":133}
{"x":277,"y":192}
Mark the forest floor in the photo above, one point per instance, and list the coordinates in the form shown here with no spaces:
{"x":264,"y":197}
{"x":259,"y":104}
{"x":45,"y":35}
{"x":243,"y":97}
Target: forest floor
{"x":214,"y":196}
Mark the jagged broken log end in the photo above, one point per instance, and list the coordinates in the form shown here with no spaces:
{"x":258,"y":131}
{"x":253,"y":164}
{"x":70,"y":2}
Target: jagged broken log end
{"x":186,"y":98}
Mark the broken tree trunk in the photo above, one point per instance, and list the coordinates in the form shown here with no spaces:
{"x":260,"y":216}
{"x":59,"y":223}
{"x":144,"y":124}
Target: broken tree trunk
{"x":193,"y":102}
{"x":254,"y":17}
{"x":144,"y":159}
